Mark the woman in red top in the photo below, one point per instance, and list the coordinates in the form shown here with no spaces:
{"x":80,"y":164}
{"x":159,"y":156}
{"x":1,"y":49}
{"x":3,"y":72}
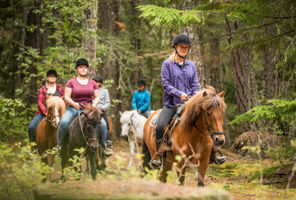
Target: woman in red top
{"x":50,"y":88}
{"x":79,"y":92}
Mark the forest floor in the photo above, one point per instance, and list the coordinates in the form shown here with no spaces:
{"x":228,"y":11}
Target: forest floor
{"x":239,"y":176}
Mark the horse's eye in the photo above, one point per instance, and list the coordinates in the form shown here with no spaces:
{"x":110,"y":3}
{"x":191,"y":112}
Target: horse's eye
{"x":208,"y":114}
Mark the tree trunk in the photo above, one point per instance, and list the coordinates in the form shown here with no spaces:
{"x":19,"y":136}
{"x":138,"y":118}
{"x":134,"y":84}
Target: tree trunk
{"x":108,"y":11}
{"x":215,"y":67}
{"x":242,"y":69}
{"x":89,"y":38}
{"x":269,"y":74}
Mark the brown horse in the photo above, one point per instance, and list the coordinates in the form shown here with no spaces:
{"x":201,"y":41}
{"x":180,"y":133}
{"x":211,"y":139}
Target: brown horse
{"x":201,"y":123}
{"x":46,"y":131}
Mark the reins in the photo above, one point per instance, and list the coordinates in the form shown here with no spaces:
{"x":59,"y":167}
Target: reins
{"x":134,"y":133}
{"x":82,"y":129}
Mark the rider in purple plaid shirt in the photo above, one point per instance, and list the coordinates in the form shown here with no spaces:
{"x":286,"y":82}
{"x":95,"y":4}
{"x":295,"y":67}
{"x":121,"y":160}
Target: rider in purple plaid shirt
{"x":179,"y":80}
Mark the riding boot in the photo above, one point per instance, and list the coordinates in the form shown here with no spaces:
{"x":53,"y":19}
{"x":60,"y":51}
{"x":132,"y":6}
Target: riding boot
{"x":156,"y":164}
{"x":217,"y":159}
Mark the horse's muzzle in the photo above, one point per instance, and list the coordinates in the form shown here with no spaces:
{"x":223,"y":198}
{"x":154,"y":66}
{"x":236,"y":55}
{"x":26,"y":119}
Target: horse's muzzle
{"x":94,"y":145}
{"x":219,"y":140}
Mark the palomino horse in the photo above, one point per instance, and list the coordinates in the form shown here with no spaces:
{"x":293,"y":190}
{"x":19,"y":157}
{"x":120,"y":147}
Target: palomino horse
{"x":201,"y":123}
{"x":132,"y":124}
{"x":84,"y":132}
{"x":46,"y":131}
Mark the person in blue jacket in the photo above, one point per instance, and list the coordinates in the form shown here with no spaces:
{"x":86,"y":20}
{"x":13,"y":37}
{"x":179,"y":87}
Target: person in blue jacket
{"x":141,"y":99}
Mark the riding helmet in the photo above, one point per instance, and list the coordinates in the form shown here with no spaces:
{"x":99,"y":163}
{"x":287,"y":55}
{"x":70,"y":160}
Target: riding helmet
{"x":141,"y":82}
{"x":98,"y":79}
{"x":182,"y":39}
{"x":52,"y":72}
{"x":81,"y":61}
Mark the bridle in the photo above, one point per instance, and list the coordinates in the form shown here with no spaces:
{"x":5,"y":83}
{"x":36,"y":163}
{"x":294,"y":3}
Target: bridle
{"x":82,"y":132}
{"x":212,"y":133}
{"x":51,"y":117}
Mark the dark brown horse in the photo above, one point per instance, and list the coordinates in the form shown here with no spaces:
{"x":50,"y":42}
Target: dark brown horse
{"x":46,"y":131}
{"x":101,"y":158}
{"x":201,"y":124}
{"x":83,"y":132}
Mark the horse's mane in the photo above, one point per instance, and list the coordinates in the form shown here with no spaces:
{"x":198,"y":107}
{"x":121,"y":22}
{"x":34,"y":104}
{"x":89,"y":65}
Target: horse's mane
{"x":55,"y":101}
{"x":93,"y":113}
{"x":206,"y":100}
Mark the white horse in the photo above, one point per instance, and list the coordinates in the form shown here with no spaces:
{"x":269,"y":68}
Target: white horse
{"x":132,"y":124}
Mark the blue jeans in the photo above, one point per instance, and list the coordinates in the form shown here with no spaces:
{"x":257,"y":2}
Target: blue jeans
{"x":103,"y":131}
{"x":146,"y":113}
{"x":68,"y":116}
{"x":33,"y":125}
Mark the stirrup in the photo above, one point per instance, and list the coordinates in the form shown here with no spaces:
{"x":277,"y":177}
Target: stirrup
{"x":109,"y":143}
{"x":108,"y":152}
{"x":57,"y":149}
{"x":220,"y":160}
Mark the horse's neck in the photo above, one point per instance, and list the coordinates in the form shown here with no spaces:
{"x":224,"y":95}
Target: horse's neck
{"x":138,"y":125}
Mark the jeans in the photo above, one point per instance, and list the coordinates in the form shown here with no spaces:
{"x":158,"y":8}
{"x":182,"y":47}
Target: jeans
{"x":33,"y":125}
{"x":146,"y":113}
{"x":104,"y":132}
{"x":68,"y":116}
{"x":165,"y":117}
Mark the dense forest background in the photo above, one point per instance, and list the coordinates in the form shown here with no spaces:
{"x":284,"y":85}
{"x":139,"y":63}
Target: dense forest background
{"x":246,"y":48}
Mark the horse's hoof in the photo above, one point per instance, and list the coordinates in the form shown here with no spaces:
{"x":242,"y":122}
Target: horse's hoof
{"x":200,"y":184}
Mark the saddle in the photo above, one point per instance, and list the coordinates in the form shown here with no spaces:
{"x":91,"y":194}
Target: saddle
{"x":166,"y":141}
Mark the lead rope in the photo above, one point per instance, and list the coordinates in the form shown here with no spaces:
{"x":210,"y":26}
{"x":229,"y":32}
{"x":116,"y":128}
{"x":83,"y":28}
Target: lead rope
{"x":82,"y":129}
{"x":134,"y":134}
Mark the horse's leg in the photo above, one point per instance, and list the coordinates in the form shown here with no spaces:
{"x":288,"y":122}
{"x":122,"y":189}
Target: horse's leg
{"x":181,"y":172}
{"x":202,"y":168}
{"x":132,"y":150}
{"x":87,"y":164}
{"x":50,"y":159}
{"x":164,"y":172}
{"x":93,"y":163}
{"x":64,"y":160}
{"x":146,"y":157}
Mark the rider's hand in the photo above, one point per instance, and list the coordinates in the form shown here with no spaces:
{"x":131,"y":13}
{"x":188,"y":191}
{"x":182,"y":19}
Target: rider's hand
{"x":138,"y":111}
{"x":184,"y":97}
{"x":76,"y":105}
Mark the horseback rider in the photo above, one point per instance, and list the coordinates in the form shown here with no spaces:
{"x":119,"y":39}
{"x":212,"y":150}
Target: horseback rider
{"x":179,"y":81}
{"x":104,"y":105}
{"x":50,"y":88}
{"x":79,"y":91}
{"x":141,"y":99}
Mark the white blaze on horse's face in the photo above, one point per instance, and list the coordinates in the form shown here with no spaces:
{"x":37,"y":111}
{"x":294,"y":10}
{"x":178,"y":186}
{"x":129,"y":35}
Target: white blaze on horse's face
{"x":217,"y":117}
{"x":56,"y":117}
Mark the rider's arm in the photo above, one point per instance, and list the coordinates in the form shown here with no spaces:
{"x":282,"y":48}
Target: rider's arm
{"x":166,"y":82}
{"x":96,"y":98}
{"x":194,"y":87}
{"x":134,"y":102}
{"x":68,"y":99}
{"x":107,"y":103}
{"x":41,"y":100}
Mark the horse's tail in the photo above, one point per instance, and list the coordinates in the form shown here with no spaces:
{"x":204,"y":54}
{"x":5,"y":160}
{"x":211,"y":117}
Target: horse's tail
{"x":146,"y":157}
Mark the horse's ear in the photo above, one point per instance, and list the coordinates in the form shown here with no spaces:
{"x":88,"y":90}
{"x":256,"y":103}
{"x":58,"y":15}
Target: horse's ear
{"x":221,"y":94}
{"x":204,"y":94}
{"x":120,"y":113}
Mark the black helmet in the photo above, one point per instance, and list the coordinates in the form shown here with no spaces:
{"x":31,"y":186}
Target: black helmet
{"x":141,"y":82}
{"x":81,"y":61}
{"x":51,"y":72}
{"x":182,"y":39}
{"x":98,"y":79}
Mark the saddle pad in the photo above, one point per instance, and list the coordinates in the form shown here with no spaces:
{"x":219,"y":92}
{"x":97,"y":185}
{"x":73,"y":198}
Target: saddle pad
{"x":153,"y":121}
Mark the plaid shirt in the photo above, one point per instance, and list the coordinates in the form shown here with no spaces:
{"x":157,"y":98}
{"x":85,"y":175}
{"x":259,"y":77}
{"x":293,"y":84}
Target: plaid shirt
{"x":177,"y":80}
{"x":42,"y":98}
